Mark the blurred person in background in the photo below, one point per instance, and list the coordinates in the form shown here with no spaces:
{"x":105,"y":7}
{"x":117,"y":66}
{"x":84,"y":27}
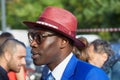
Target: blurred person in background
{"x":12,"y":75}
{"x":99,"y":51}
{"x":100,"y":54}
{"x":81,"y":53}
{"x":115,"y":70}
{"x":112,"y":65}
{"x":52,"y":39}
{"x":12,"y":57}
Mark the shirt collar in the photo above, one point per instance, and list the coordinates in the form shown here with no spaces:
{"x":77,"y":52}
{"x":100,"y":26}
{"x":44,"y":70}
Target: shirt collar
{"x":3,"y":70}
{"x":59,"y":69}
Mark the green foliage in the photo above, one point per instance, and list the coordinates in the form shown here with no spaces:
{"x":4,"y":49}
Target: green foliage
{"x":90,"y":13}
{"x":97,"y":14}
{"x":105,"y":35}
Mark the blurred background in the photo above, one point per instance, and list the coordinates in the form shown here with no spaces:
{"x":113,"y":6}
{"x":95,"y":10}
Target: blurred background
{"x":96,"y":19}
{"x":90,"y":14}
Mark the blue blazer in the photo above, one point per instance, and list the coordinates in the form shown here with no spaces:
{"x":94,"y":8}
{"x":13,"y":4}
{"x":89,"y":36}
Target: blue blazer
{"x":79,"y":70}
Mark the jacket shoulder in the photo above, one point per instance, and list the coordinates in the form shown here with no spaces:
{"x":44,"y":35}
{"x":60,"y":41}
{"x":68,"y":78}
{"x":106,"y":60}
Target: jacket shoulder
{"x":86,"y":71}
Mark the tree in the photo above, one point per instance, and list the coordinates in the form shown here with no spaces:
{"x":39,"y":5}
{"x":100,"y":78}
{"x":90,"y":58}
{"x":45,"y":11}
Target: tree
{"x":96,"y":14}
{"x":90,"y":13}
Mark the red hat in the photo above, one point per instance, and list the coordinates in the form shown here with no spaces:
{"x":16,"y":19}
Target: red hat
{"x":58,"y":20}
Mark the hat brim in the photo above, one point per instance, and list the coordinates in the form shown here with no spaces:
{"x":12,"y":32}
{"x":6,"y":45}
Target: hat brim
{"x":77,"y":42}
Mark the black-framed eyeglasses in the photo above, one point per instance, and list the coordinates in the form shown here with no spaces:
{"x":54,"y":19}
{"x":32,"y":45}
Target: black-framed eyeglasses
{"x":38,"y":37}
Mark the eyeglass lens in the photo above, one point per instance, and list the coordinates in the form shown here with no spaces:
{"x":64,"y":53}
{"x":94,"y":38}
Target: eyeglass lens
{"x":38,"y":37}
{"x":34,"y":36}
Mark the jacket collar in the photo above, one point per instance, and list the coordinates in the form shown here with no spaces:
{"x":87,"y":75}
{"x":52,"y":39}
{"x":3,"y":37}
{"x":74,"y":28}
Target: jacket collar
{"x":70,"y":68}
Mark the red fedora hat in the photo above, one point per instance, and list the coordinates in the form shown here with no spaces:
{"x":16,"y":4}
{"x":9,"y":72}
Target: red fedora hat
{"x":58,"y":20}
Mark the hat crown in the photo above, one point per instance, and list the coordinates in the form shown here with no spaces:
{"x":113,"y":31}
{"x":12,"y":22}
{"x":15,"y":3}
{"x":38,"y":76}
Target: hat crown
{"x":57,"y":20}
{"x":64,"y":20}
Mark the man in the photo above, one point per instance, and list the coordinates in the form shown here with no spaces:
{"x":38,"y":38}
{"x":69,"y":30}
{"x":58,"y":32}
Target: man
{"x":12,"y":57}
{"x":52,"y":38}
{"x":99,"y":51}
{"x":12,"y":75}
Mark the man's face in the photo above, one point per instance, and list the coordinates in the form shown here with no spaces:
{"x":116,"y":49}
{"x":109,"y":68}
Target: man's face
{"x":45,"y":49}
{"x":17,"y":59}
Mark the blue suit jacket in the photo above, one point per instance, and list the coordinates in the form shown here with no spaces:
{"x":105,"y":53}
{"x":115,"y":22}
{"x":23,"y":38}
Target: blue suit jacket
{"x":79,"y":70}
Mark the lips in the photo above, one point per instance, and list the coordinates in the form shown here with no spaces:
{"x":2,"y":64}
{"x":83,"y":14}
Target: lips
{"x":35,"y":56}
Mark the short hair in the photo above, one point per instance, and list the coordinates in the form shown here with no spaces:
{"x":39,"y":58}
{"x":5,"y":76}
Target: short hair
{"x":101,"y":46}
{"x":4,"y":36}
{"x":10,"y":45}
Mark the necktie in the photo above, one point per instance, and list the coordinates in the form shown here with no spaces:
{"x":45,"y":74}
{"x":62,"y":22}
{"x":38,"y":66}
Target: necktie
{"x":50,"y":77}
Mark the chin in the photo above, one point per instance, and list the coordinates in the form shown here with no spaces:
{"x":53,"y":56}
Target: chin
{"x":37,"y":64}
{"x":17,"y":71}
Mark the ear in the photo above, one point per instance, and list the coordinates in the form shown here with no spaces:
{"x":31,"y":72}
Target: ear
{"x":7,"y":56}
{"x":64,"y":42}
{"x":105,"y":56}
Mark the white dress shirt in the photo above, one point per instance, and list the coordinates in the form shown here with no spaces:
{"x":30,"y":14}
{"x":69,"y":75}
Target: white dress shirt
{"x":59,"y":69}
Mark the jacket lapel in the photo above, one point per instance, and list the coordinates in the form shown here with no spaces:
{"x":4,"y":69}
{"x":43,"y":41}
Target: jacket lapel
{"x":70,"y":68}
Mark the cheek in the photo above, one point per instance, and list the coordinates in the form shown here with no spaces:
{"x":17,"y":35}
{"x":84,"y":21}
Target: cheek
{"x":46,"y":51}
{"x":14,"y":60}
{"x":50,"y":45}
{"x":13,"y":63}
{"x":49,"y":42}
{"x":49,"y":50}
